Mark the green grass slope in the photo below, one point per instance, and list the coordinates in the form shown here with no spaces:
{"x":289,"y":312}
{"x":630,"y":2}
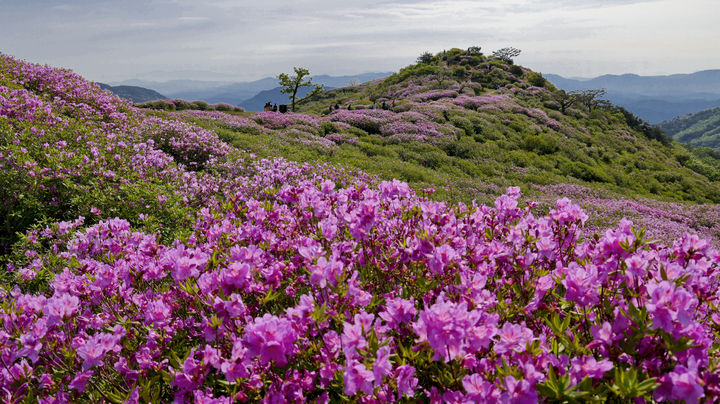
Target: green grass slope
{"x":701,"y":129}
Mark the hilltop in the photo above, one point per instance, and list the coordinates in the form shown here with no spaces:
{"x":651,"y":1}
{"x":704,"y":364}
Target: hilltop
{"x":700,"y":129}
{"x":479,"y":124}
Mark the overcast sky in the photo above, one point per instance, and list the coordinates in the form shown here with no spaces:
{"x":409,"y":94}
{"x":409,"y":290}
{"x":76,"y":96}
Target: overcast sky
{"x":249,"y":39}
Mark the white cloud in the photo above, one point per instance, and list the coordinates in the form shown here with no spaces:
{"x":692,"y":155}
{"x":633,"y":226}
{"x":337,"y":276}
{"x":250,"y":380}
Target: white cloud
{"x":108,"y":40}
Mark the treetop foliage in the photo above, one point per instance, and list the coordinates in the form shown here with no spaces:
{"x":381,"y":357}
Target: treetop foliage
{"x":291,"y":84}
{"x":506,"y":54}
{"x":425,"y":57}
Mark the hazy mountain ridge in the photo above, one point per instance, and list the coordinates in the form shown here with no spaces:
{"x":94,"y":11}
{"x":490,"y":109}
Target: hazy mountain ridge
{"x":136,"y":94}
{"x":242,"y":93}
{"x":654,"y":98}
{"x":703,"y":82}
{"x":175,"y":86}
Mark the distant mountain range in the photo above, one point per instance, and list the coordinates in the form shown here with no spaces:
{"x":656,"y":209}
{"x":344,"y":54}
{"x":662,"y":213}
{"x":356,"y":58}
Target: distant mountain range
{"x":135,"y":94}
{"x":173,"y":87}
{"x":699,"y":129}
{"x":250,"y":95}
{"x":653,"y":98}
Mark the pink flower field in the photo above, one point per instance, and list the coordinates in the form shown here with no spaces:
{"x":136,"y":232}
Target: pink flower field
{"x":163,"y":265}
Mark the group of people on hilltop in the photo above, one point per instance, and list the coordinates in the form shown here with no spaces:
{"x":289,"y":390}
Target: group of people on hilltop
{"x":269,"y":107}
{"x":384,"y":106}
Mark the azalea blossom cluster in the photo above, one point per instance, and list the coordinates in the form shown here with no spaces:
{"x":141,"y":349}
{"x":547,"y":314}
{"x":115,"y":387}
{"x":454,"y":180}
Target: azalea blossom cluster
{"x":504,"y":103}
{"x":311,"y":291}
{"x":435,"y":95}
{"x":417,"y":126}
{"x":299,"y":283}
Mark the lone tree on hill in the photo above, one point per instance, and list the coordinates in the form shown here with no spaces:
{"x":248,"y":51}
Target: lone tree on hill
{"x":474,"y":50}
{"x":565,"y":98}
{"x":462,"y":75}
{"x":506,"y":54}
{"x":426,"y":57}
{"x":592,"y":98}
{"x":291,"y":84}
{"x":441,"y":75}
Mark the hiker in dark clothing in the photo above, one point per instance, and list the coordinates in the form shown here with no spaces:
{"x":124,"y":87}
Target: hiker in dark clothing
{"x":274,"y":108}
{"x":384,"y":105}
{"x":337,"y":106}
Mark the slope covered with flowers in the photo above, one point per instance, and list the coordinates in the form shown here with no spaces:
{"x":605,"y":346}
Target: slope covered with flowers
{"x":210,"y":275}
{"x":70,"y":149}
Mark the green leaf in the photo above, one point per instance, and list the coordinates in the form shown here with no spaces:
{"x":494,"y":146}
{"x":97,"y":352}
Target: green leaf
{"x":629,"y":384}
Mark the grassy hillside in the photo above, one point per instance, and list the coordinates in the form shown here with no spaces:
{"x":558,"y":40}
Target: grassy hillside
{"x":701,"y":129}
{"x":469,"y":126}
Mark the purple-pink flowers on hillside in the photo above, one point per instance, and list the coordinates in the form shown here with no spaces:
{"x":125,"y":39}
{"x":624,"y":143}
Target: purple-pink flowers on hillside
{"x":295,"y":283}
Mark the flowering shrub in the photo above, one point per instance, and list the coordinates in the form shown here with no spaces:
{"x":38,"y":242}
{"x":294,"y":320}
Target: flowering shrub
{"x":367,"y":120}
{"x":233,"y":122}
{"x":340,"y":138}
{"x":274,"y":120}
{"x":180,"y":105}
{"x":501,"y":100}
{"x":186,"y":144}
{"x":434,"y":95}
